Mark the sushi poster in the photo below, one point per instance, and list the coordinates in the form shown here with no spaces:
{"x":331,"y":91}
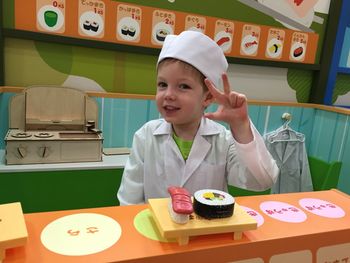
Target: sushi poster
{"x":163,"y":24}
{"x":196,"y":23}
{"x":298,"y":46}
{"x":50,"y":15}
{"x":223,"y":36}
{"x":146,"y":26}
{"x":275,"y":43}
{"x":91,"y":17}
{"x":250,"y":40}
{"x":129,"y":19}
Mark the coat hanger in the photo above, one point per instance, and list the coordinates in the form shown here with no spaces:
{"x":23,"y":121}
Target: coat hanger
{"x":285,"y":133}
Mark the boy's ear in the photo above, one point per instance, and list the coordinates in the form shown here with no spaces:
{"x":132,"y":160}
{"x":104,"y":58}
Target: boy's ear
{"x":209,"y":99}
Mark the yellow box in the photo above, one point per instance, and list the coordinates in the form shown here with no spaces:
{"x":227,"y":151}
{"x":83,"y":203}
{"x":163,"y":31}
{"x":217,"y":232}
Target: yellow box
{"x":13,"y":230}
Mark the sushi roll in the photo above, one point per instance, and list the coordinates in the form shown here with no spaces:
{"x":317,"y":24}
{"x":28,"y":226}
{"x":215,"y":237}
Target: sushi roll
{"x":125,"y":30}
{"x":180,"y":205}
{"x":132,"y":31}
{"x":94,"y":26}
{"x":161,"y":34}
{"x":210,"y":204}
{"x":87,"y":25}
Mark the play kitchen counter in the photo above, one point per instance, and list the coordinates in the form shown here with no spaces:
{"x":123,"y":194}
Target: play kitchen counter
{"x":296,"y":227}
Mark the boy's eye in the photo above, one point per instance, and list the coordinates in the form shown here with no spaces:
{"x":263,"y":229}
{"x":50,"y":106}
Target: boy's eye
{"x":184,"y":86}
{"x":162,"y":84}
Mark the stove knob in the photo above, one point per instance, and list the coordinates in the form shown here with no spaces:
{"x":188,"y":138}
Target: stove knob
{"x":44,"y":151}
{"x":22,"y":151}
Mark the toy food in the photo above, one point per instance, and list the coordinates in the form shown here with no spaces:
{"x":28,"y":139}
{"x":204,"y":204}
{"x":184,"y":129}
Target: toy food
{"x":180,"y":206}
{"x":209,"y":203}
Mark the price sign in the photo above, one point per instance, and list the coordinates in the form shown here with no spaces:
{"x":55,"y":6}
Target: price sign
{"x":224,"y":34}
{"x":275,"y":42}
{"x":163,"y":24}
{"x":195,"y":23}
{"x":129,"y":20}
{"x":50,"y":15}
{"x":91,"y":16}
{"x":250,"y":40}
{"x":298,"y":46}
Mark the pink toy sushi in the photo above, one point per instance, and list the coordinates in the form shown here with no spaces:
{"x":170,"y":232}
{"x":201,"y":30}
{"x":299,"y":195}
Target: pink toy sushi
{"x":180,"y":205}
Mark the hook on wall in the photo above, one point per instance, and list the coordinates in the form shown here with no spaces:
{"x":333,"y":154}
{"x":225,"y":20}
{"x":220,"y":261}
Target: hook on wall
{"x":287,"y":117}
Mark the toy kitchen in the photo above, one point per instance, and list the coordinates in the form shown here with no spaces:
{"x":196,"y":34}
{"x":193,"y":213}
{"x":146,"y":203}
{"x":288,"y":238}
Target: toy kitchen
{"x":52,"y":124}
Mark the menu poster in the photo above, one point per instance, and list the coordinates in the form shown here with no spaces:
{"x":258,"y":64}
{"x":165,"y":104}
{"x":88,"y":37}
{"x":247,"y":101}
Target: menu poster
{"x":50,"y":15}
{"x":163,"y":24}
{"x":91,"y":18}
{"x":223,"y":35}
{"x":195,"y":23}
{"x":129,"y":19}
{"x":298,"y":46}
{"x":250,"y":40}
{"x":275,"y":43}
{"x":124,"y":23}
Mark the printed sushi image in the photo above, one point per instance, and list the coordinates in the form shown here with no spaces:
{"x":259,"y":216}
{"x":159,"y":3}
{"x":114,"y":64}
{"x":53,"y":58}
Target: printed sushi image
{"x":86,"y":25}
{"x":297,"y":51}
{"x":223,"y":40}
{"x":93,"y":26}
{"x":274,"y":48}
{"x":128,"y":30}
{"x":211,"y":204}
{"x":180,"y":205}
{"x":161,"y":34}
{"x":50,"y":18}
{"x":160,"y":31}
{"x":249,"y":45}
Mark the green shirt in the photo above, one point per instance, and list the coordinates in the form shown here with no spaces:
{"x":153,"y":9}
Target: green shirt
{"x":184,"y":146}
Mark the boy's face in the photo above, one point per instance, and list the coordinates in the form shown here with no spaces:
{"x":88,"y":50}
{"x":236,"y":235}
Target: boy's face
{"x":180,"y":96}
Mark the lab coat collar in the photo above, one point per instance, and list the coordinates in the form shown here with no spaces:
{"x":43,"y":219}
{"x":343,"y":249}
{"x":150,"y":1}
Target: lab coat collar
{"x":199,"y":150}
{"x":207,"y":127}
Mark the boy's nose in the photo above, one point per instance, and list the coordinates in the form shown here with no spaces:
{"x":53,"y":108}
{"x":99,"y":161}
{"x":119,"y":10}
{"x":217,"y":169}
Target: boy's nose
{"x":170,"y":93}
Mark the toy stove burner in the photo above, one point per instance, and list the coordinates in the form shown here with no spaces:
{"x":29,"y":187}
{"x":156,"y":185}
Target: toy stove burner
{"x":43,"y":135}
{"x":21,"y":135}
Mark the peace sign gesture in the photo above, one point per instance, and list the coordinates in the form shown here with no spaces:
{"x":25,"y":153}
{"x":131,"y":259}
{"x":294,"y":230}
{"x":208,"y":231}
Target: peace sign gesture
{"x":233,"y":109}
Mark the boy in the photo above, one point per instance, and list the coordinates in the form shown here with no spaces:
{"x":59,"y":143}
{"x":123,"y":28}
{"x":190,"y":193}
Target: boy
{"x":186,"y":148}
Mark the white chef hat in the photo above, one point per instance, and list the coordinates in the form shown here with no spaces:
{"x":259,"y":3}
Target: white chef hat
{"x":198,"y":50}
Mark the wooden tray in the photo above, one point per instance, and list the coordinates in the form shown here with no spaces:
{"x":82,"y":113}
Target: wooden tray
{"x":13,"y":231}
{"x":239,"y":222}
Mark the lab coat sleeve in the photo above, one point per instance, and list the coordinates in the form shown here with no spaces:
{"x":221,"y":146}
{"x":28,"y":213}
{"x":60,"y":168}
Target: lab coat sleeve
{"x":258,"y":170}
{"x":306,"y":179}
{"x":131,"y":190}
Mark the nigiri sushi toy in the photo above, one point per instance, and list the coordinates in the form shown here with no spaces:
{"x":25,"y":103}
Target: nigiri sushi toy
{"x":180,"y":205}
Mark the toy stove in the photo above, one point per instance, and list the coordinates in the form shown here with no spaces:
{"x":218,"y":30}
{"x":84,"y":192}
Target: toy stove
{"x":52,"y":125}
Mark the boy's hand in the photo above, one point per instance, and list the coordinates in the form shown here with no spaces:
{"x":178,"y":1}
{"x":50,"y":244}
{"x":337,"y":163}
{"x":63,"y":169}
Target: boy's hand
{"x":233,"y":109}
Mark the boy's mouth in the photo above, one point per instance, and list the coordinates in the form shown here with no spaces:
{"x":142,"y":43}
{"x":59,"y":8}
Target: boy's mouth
{"x":170,"y":108}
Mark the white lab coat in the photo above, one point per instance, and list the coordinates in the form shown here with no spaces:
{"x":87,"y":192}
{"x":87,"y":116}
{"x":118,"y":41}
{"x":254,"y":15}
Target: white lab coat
{"x":215,"y":160}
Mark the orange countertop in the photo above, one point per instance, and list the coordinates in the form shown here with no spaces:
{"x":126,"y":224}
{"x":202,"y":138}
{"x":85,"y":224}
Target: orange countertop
{"x":272,"y":237}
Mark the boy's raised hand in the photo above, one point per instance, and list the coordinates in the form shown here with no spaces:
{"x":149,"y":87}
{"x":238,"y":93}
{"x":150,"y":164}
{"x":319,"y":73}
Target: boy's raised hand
{"x":233,"y":109}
